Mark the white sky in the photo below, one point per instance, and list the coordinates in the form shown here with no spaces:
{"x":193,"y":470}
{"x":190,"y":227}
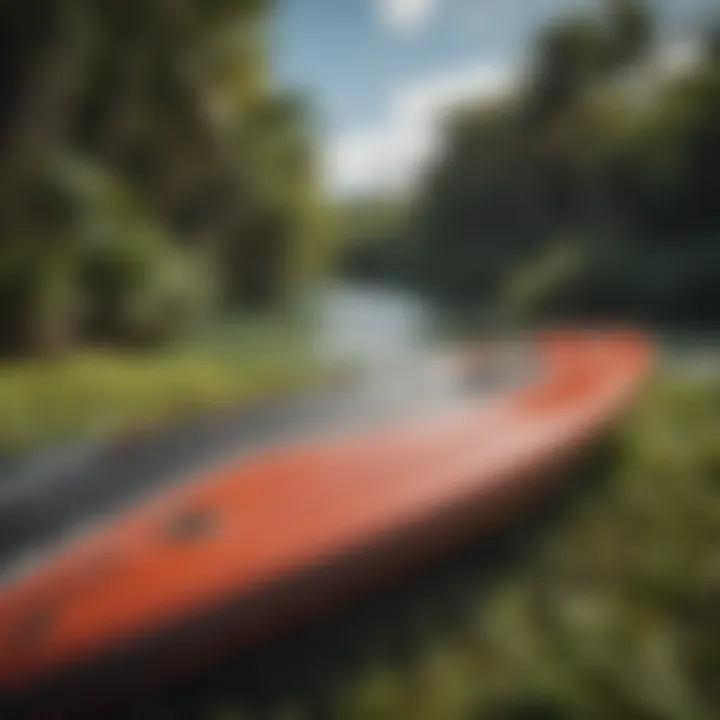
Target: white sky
{"x":405,"y":16}
{"x":390,"y":155}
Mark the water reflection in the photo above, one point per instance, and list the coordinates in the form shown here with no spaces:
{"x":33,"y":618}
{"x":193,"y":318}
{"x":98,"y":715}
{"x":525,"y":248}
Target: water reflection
{"x":372,"y":324}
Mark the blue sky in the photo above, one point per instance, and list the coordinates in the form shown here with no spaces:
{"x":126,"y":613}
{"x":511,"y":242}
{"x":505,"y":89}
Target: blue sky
{"x":369,"y":64}
{"x":355,"y":53}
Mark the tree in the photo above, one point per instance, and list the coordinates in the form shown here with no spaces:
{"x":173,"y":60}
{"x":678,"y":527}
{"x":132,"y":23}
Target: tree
{"x":584,"y":194}
{"x":631,"y":31}
{"x":171,"y":104}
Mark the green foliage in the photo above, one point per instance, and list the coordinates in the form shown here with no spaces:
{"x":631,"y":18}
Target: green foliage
{"x":469,"y":227}
{"x":570,"y":55}
{"x":144,"y":156}
{"x":598,"y":147}
{"x":370,"y":234}
{"x":535,"y":286}
{"x":632,"y":30}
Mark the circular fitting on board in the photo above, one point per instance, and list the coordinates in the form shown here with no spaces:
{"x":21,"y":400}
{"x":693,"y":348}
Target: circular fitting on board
{"x":191,"y":524}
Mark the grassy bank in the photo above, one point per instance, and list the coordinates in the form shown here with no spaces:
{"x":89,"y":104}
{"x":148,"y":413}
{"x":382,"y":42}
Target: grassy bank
{"x":606,"y":605}
{"x":94,"y":392}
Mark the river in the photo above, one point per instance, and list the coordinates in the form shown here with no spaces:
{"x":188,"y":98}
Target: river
{"x":369,"y":324}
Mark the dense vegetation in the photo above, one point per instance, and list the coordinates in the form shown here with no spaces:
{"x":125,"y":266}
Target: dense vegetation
{"x":148,"y":169}
{"x":602,"y":605}
{"x":372,"y":243}
{"x":587,"y":190}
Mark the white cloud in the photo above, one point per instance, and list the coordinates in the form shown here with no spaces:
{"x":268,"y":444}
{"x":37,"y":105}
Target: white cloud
{"x":392,"y":154}
{"x":432,"y":97}
{"x":384,"y":158}
{"x":678,"y":57}
{"x":405,"y":15}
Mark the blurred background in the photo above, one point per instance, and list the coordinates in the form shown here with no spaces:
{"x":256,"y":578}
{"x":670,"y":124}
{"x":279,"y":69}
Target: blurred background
{"x":197,"y":196}
{"x":206,"y":201}
{"x":193,"y":192}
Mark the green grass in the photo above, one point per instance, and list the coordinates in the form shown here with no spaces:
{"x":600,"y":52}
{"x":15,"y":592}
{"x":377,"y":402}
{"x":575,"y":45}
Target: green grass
{"x":605,"y":606}
{"x":92,"y":392}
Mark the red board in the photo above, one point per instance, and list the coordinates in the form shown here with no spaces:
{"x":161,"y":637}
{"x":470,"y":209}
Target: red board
{"x":256,"y":545}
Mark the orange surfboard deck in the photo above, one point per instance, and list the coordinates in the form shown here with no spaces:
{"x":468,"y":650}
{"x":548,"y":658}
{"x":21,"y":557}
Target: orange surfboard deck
{"x":251,"y":547}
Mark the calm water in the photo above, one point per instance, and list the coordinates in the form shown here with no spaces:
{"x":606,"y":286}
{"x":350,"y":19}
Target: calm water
{"x":370,"y":323}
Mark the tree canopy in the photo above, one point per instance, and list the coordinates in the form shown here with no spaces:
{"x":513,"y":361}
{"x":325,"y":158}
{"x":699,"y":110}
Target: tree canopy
{"x":147,"y":165}
{"x":601,"y":158}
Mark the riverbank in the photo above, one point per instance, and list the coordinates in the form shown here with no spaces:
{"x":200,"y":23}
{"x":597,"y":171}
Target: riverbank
{"x":234,"y":360}
{"x":93,"y":392}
